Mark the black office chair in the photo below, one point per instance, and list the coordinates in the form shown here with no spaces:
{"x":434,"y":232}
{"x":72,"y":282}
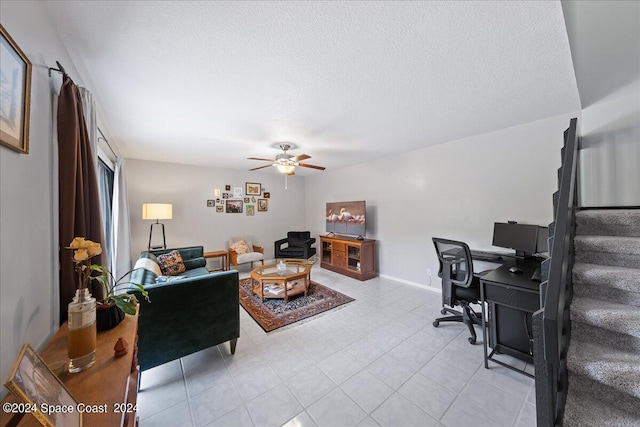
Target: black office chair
{"x":459,"y":286}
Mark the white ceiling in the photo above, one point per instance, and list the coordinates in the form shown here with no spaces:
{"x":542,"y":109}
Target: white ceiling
{"x":212,"y":83}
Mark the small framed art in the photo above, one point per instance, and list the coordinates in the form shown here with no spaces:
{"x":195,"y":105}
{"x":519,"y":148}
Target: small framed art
{"x":234,"y":206}
{"x":252,"y":188}
{"x":263,"y":205}
{"x":37,"y":387}
{"x":251,"y":210}
{"x":15,"y":85}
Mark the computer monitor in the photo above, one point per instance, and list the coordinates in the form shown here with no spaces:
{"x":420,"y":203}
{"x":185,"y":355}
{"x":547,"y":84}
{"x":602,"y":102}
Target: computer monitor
{"x":525,"y":239}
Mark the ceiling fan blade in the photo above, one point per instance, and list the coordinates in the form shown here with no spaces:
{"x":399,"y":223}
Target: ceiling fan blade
{"x":257,"y":158}
{"x":300,"y":157}
{"x":307,"y":165}
{"x":260,"y":167}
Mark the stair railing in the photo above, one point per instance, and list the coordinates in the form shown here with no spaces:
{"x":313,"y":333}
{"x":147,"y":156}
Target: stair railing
{"x":553,"y":319}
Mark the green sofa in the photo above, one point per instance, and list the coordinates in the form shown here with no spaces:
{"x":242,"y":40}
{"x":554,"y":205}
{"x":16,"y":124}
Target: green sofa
{"x":188,"y":314}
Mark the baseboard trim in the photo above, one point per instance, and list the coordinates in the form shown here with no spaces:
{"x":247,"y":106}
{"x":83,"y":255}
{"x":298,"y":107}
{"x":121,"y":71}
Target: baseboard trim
{"x":408,"y":282}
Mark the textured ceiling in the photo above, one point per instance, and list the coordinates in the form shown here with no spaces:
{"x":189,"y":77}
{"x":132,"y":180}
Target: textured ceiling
{"x":212,"y":83}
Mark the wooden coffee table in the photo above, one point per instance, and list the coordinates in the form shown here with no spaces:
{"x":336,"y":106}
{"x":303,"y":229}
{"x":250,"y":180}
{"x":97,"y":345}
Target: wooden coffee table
{"x":294,"y":281}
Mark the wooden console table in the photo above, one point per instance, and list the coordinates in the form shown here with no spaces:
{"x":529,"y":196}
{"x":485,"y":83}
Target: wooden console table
{"x":110,"y":381}
{"x":349,"y":256}
{"x":224,"y":255}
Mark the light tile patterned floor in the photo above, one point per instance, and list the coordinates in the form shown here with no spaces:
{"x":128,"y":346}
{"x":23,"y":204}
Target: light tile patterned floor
{"x":376,"y":362}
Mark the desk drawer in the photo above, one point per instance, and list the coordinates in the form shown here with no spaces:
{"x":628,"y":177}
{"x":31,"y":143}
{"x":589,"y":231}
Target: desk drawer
{"x":514,"y":297}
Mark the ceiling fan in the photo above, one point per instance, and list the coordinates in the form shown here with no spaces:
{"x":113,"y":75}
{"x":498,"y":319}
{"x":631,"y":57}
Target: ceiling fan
{"x":286,"y":163}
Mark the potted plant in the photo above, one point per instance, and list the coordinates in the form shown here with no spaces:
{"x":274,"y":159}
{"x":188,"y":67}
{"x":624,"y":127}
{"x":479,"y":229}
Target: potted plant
{"x":116,"y":300}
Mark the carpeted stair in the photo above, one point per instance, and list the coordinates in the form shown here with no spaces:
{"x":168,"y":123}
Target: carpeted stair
{"x":604,"y":352}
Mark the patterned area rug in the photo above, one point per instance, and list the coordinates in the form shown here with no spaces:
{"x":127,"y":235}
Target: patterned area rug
{"x":275,"y":313}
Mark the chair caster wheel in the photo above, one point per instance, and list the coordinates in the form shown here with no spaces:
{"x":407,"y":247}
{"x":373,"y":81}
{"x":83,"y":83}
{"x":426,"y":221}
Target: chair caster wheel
{"x":471,"y":340}
{"x":436,"y":323}
{"x":443,"y":311}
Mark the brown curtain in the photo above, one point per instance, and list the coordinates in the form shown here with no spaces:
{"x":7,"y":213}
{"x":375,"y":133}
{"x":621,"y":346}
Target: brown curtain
{"x":78,"y":192}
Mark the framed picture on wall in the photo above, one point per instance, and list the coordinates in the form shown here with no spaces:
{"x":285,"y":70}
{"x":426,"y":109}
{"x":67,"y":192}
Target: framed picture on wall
{"x":234,"y":206}
{"x":220,"y":208}
{"x":263,"y":205}
{"x":251,"y":210}
{"x":211,"y":203}
{"x":266,"y":195}
{"x":252,"y":188}
{"x":36,"y":386}
{"x":15,"y":87}
{"x":237,"y":192}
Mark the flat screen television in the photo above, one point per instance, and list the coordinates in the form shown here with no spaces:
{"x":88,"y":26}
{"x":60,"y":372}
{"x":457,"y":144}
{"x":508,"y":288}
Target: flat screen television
{"x":346,"y":218}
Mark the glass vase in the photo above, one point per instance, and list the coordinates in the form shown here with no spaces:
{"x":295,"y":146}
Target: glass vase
{"x":82,"y":331}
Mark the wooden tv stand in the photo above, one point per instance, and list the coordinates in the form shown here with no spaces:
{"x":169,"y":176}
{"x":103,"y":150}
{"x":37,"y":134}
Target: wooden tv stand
{"x":349,"y":256}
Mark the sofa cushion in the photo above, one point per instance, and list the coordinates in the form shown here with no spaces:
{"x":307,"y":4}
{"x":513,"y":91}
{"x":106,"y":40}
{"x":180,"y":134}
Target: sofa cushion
{"x":240,"y":247}
{"x":251,"y":256}
{"x":190,"y":264}
{"x":149,"y":264}
{"x":296,"y":243}
{"x":194,"y":272}
{"x":171,"y":263}
{"x":292,"y":252}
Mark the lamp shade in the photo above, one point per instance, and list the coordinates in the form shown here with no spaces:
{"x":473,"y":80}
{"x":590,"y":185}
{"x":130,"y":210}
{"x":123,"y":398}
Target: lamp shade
{"x":157,"y":211}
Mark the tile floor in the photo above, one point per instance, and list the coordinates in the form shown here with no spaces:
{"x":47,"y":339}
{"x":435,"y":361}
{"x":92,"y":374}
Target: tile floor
{"x":377,"y":361}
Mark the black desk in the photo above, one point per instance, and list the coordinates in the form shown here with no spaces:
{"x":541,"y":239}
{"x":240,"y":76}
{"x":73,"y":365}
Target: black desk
{"x":511,"y":299}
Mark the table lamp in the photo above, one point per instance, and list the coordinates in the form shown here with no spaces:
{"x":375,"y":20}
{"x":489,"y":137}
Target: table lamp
{"x":157,"y":211}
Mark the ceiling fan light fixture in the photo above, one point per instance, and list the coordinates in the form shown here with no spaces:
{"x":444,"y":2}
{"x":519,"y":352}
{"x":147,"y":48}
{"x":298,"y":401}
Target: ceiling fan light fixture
{"x":285,"y":168}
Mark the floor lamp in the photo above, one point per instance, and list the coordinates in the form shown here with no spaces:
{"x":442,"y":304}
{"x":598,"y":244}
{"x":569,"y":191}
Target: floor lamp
{"x":157,"y":211}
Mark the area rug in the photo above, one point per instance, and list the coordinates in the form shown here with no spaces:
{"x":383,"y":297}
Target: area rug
{"x":275,"y":313}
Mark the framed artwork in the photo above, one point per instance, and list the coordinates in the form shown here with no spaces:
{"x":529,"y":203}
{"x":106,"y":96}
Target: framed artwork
{"x":227,"y":188}
{"x":263,"y":205}
{"x":252,"y":188}
{"x":15,"y":98}
{"x":251,"y":210}
{"x":225,"y":195}
{"x":246,"y":200}
{"x":220,"y":208}
{"x":36,"y":386}
{"x":218,"y":201}
{"x":237,"y":192}
{"x":266,"y":195}
{"x":234,"y":206}
{"x":211,"y":203}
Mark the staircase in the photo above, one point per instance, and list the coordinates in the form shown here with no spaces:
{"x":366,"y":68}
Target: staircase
{"x":603,"y":360}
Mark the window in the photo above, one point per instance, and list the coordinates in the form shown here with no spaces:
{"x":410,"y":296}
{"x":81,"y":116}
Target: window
{"x":105,"y":187}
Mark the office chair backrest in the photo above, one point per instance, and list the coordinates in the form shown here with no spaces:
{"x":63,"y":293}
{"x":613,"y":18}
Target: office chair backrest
{"x":455,"y":262}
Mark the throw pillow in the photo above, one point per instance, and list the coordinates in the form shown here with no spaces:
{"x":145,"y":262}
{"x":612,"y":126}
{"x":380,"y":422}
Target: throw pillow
{"x":171,"y":263}
{"x":240,"y":247}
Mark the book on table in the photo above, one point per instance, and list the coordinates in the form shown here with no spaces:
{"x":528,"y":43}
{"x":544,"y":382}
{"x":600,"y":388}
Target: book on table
{"x":277,"y":289}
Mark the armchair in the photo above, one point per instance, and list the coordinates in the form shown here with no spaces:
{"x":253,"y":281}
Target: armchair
{"x":459,"y":285}
{"x":243,"y":251}
{"x":297,"y":245}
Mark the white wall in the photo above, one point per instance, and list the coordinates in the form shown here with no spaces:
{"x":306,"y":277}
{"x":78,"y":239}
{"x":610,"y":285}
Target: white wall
{"x":188,"y":188}
{"x":455,"y":190}
{"x":610,"y":150}
{"x":28,"y":203}
{"x":605,"y":49}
